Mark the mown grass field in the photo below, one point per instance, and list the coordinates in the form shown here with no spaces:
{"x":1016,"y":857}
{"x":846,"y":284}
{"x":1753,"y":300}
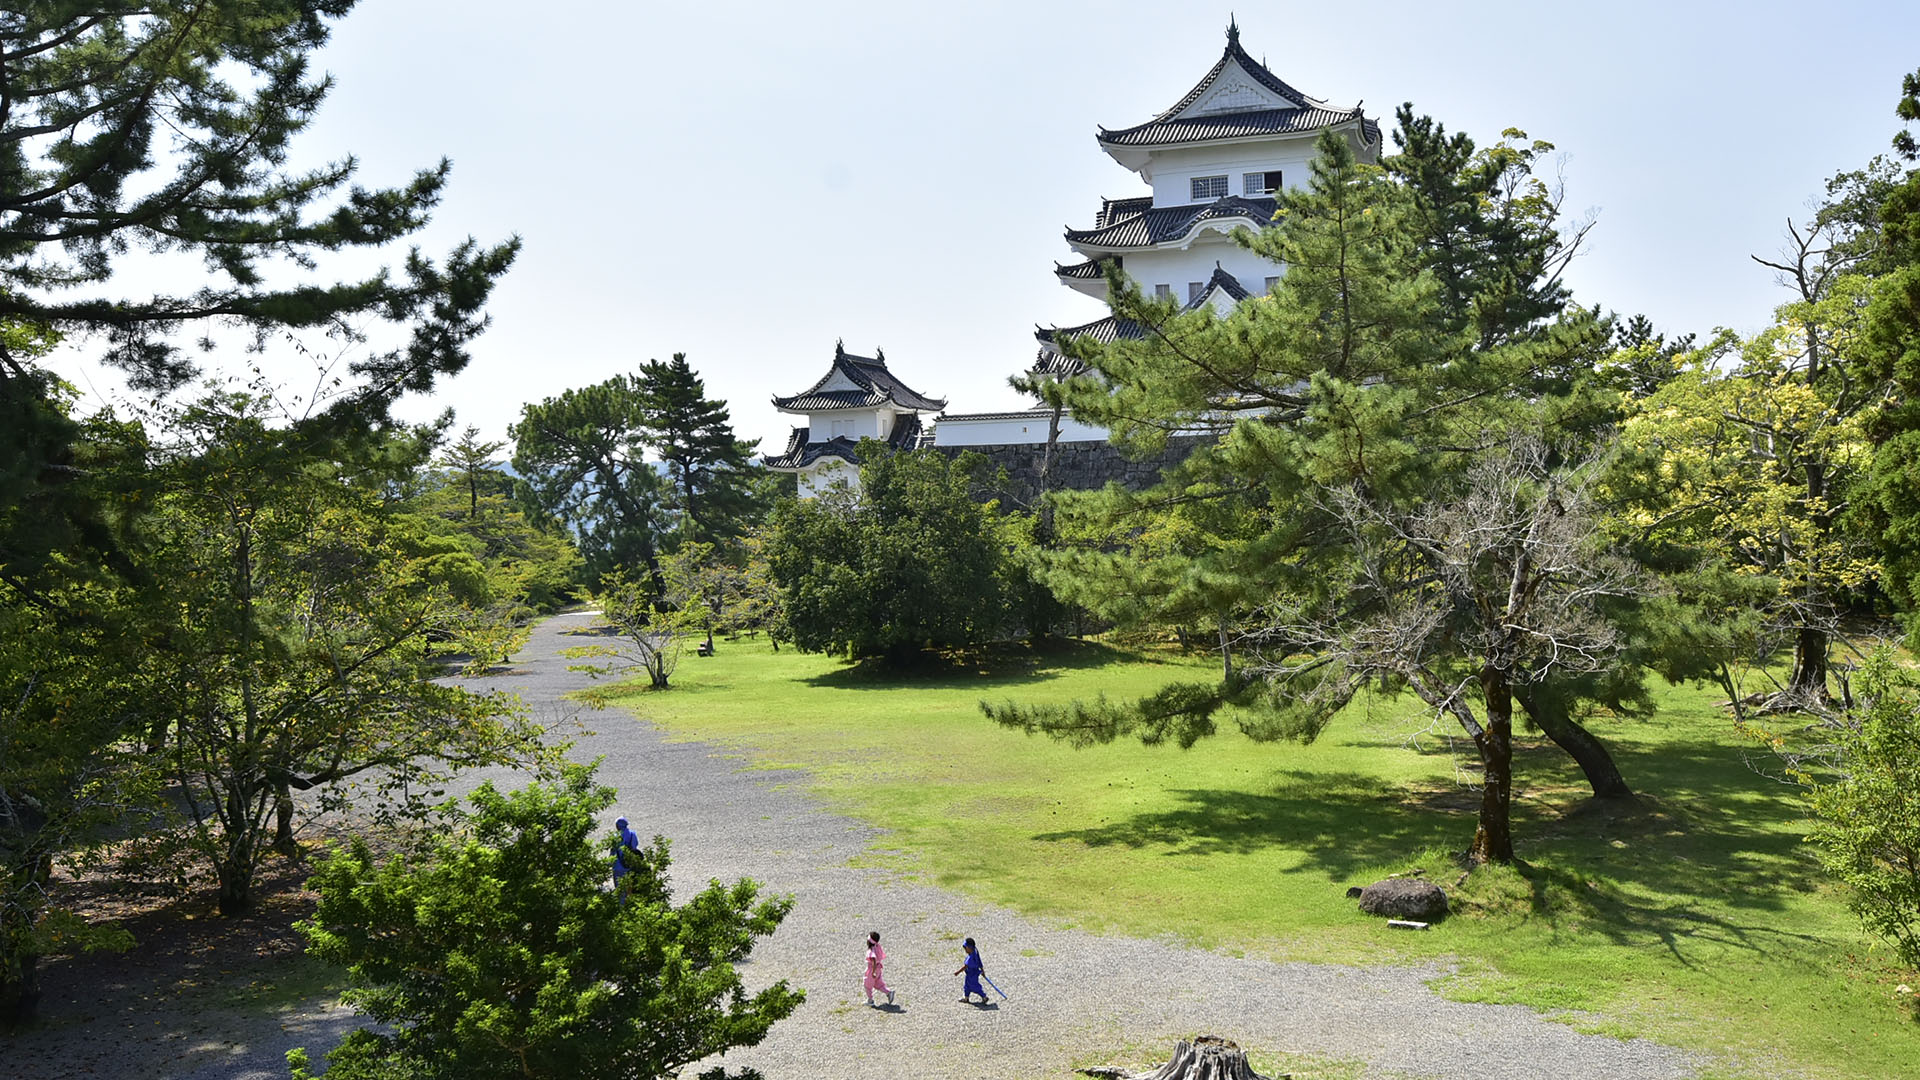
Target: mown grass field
{"x":1697,"y":916}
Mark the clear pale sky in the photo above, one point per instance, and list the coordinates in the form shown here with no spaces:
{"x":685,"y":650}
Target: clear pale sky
{"x":748,"y":182}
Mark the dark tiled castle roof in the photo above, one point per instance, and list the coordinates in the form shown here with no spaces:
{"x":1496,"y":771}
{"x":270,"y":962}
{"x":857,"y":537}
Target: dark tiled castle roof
{"x":1237,"y":125}
{"x":875,"y":386}
{"x":1303,"y":114}
{"x":1162,"y":224}
{"x":1091,"y":270}
{"x":800,"y":453}
{"x":1114,"y":328}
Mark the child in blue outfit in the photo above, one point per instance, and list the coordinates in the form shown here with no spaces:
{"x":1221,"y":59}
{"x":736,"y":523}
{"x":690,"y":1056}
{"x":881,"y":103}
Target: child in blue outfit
{"x":974,"y":969}
{"x":625,"y":850}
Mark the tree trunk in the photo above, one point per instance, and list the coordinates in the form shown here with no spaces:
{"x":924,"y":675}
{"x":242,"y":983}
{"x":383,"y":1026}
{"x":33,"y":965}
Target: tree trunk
{"x":234,"y":870}
{"x":1549,"y":711}
{"x":1493,"y":840}
{"x":283,"y":841}
{"x":1207,"y":1057}
{"x":20,"y":969}
{"x":236,"y":889}
{"x":1809,"y":678}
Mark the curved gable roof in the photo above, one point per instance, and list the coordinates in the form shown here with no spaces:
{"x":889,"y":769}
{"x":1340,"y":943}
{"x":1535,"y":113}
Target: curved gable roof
{"x":873,"y":384}
{"x":1165,"y":224}
{"x":1294,"y":112}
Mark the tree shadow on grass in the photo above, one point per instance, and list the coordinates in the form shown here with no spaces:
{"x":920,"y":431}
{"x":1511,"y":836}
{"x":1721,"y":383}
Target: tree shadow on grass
{"x":1339,"y":823}
{"x":1006,"y":664}
{"x":1702,"y":865}
{"x":1564,"y":896}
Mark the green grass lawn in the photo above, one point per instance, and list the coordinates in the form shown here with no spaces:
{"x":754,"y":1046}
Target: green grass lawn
{"x":1696,"y":916}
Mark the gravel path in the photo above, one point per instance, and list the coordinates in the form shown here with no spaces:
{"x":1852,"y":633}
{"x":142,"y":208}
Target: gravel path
{"x":1076,"y":997}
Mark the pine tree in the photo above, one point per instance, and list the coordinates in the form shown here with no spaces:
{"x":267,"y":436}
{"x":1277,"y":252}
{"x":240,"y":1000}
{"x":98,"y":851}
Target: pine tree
{"x":712,"y":472}
{"x":166,"y":127}
{"x":581,"y":459}
{"x":1378,"y":505}
{"x":473,"y":462}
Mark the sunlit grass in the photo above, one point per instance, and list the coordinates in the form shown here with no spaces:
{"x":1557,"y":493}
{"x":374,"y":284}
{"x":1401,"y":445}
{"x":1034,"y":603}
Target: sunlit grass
{"x":1695,"y":915}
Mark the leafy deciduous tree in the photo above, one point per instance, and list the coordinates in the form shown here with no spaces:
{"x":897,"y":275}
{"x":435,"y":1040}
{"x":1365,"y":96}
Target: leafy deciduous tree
{"x":910,"y":559}
{"x":292,"y":621}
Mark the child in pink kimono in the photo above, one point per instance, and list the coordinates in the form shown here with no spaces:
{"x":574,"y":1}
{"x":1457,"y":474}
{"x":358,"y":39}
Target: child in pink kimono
{"x":876,"y":956}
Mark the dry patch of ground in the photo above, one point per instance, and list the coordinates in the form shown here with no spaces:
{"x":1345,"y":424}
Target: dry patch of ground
{"x":197,"y":994}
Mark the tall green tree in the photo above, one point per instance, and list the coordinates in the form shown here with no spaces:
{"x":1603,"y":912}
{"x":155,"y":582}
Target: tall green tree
{"x":71,"y":766}
{"x":1363,"y":429}
{"x":1867,"y":813}
{"x":167,"y":127}
{"x":911,"y":558}
{"x":293,"y":622}
{"x":1889,"y":510}
{"x":497,"y":952}
{"x":473,"y":462}
{"x":1491,"y":228}
{"x":714,"y":498}
{"x":581,"y":459}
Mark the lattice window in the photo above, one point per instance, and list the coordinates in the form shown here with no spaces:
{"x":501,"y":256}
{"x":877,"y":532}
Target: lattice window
{"x":1208,"y":187}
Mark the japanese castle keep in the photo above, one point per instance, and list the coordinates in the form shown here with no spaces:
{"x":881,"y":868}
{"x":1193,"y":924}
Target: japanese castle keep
{"x":1212,"y":162}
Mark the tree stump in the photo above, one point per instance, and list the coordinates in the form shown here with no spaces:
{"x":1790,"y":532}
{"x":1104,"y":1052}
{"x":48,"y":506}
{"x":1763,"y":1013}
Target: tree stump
{"x":1207,"y":1057}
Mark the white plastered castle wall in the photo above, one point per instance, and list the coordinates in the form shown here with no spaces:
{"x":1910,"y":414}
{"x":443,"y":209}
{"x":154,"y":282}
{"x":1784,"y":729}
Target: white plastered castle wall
{"x":997,"y":430}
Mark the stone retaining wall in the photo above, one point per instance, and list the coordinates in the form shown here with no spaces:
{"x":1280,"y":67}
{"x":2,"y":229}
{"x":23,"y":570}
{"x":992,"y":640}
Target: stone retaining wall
{"x":1077,"y":466}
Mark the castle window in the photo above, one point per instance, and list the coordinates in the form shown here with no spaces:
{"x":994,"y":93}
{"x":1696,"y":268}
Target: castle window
{"x":1260,"y":183}
{"x":1196,"y":290}
{"x":1161,"y":292}
{"x":1208,"y":187}
{"x":1271,"y":283}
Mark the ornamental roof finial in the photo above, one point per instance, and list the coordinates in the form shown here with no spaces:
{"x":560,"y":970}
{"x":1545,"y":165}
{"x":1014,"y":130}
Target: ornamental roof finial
{"x":1233,"y":31}
{"x":839,"y":348}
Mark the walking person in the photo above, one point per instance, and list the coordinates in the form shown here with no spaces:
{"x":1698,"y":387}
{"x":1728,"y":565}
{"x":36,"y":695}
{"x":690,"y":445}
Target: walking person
{"x":876,"y":958}
{"x":626,"y":857}
{"x":974,"y":968}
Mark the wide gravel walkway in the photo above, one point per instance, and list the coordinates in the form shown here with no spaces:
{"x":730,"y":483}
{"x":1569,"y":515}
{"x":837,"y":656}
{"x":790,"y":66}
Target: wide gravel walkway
{"x":1075,"y":997}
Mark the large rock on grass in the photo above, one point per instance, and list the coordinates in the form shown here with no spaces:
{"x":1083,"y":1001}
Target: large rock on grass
{"x":1404,"y":898}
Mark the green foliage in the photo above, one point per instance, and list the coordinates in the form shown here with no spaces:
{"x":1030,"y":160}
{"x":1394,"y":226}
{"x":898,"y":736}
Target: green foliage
{"x":715,"y":498}
{"x":911,"y":559}
{"x":1868,"y":819}
{"x":473,"y":465}
{"x":69,"y":683}
{"x":1396,"y":483}
{"x":1666,"y":917}
{"x":68,"y":772}
{"x":1889,"y":509}
{"x":529,"y":570}
{"x":650,"y":635}
{"x":293,"y":621}
{"x":581,"y":459}
{"x":168,"y":127}
{"x":498,"y":951}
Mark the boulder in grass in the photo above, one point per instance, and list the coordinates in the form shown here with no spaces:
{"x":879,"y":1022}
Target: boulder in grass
{"x":1404,"y":898}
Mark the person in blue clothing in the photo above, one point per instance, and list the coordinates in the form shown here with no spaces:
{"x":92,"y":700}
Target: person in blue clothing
{"x":625,"y":850}
{"x":973,"y":969}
